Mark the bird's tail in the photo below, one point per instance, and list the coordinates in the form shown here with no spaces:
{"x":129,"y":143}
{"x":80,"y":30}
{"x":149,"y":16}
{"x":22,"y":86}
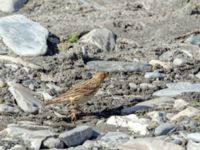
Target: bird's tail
{"x":54,"y":101}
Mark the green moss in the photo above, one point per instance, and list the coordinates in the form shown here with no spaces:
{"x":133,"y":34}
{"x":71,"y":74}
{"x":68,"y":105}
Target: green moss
{"x":73,"y":37}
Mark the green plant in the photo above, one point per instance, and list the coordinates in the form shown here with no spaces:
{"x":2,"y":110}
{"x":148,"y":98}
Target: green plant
{"x":73,"y":37}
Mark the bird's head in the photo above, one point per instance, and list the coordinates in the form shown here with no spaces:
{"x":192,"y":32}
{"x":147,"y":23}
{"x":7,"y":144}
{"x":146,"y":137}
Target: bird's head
{"x":101,"y":75}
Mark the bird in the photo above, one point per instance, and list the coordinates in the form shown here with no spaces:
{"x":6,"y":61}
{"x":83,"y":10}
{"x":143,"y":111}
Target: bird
{"x":80,"y":93}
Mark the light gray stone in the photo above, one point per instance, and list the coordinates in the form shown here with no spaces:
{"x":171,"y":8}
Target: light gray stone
{"x":32,"y":134}
{"x":11,"y":5}
{"x":76,"y":136}
{"x":175,"y":89}
{"x":113,"y":66}
{"x":180,"y":104}
{"x":188,"y":112}
{"x":161,"y":102}
{"x":145,"y":86}
{"x":193,"y":145}
{"x":153,"y":75}
{"x":194,"y":137}
{"x":164,"y":129}
{"x":179,"y":62}
{"x":132,"y":85}
{"x":53,"y":143}
{"x":23,"y":36}
{"x":25,"y":100}
{"x":111,"y":139}
{"x":149,"y":144}
{"x":101,"y":37}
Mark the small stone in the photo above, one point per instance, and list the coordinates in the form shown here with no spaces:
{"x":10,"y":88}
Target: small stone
{"x":188,"y":112}
{"x":149,"y":144}
{"x":101,"y":37}
{"x":146,"y":86}
{"x":153,"y":75}
{"x":132,"y":85}
{"x":120,"y":66}
{"x":179,"y":62}
{"x":11,"y":5}
{"x":2,"y":84}
{"x":132,"y":122}
{"x":25,"y":100}
{"x":53,"y":143}
{"x":23,"y":36}
{"x":180,"y":104}
{"x":76,"y":136}
{"x":194,"y":137}
{"x":164,"y":129}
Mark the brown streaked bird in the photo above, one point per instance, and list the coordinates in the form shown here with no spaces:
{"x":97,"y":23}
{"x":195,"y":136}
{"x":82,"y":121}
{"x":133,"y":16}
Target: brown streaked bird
{"x":80,"y":93}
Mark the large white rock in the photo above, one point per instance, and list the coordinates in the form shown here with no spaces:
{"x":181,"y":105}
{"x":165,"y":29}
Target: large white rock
{"x":132,"y":122}
{"x":11,"y":5}
{"x":23,"y":36}
{"x":25,"y":100}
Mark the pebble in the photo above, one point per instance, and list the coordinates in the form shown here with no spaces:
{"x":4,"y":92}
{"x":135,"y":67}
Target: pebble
{"x":132,"y":122}
{"x":23,"y":36}
{"x":180,"y":104}
{"x":2,"y":84}
{"x":53,"y":143}
{"x":188,"y":112}
{"x":175,"y":89}
{"x":101,"y":37}
{"x":11,"y":5}
{"x":120,"y":66}
{"x":149,"y":144}
{"x":164,"y":129}
{"x":146,"y":86}
{"x":76,"y":136}
{"x":132,"y":86}
{"x":25,"y":100}
{"x":179,"y":62}
{"x":154,"y":75}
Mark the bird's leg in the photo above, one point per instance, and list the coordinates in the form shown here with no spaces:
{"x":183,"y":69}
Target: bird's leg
{"x":73,"y":113}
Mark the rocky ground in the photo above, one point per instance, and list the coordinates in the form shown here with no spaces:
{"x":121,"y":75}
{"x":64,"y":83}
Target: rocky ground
{"x":150,"y":49}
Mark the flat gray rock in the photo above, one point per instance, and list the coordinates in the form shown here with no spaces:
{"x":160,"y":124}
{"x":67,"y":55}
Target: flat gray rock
{"x":101,"y":37}
{"x":164,"y":129}
{"x":11,"y":5}
{"x":153,"y":75}
{"x":175,"y":89}
{"x":76,"y":136}
{"x":113,"y":66}
{"x":25,"y":100}
{"x":23,"y":36}
{"x":194,"y":39}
